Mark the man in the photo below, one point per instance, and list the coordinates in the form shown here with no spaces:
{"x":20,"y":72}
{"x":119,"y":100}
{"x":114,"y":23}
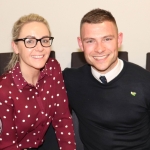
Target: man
{"x":110,"y":97}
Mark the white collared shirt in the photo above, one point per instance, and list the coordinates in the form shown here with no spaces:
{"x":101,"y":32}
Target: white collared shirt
{"x":111,"y":74}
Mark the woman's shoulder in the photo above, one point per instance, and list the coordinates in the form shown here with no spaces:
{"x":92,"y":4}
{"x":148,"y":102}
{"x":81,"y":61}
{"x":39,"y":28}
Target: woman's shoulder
{"x":52,"y":66}
{"x":52,"y":62}
{"x":5,"y":78}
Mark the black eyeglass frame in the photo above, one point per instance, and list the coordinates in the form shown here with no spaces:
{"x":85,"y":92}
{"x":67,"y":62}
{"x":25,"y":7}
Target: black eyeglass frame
{"x":23,"y":39}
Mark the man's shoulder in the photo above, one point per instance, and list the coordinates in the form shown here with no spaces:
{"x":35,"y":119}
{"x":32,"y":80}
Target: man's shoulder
{"x":135,"y":67}
{"x":76,"y":71}
{"x":136,"y":70}
{"x":74,"y":77}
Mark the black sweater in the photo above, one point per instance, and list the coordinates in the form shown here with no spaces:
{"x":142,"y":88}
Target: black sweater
{"x":114,"y":116}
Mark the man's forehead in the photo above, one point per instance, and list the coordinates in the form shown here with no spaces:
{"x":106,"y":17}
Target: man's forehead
{"x":92,"y":26}
{"x":101,"y":30}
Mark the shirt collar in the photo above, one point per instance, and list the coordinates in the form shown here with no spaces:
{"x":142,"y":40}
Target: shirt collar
{"x":111,"y":74}
{"x":21,"y":82}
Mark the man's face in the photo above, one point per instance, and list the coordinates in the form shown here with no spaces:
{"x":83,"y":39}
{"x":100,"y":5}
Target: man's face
{"x":100,"y":43}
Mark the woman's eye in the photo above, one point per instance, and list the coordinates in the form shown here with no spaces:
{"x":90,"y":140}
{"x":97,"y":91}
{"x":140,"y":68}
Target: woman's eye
{"x":45,"y":41}
{"x":30,"y":41}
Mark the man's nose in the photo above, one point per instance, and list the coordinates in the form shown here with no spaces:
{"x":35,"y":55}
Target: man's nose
{"x":100,"y":47}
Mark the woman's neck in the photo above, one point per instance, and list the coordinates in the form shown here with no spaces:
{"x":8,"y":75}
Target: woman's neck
{"x":31,"y":78}
{"x":31,"y":75}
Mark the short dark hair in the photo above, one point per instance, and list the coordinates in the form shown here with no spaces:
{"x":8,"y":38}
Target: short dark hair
{"x":97,"y":16}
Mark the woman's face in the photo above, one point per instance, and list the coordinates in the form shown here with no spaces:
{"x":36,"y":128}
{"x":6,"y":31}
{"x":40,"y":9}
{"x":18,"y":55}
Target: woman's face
{"x":36,"y":57}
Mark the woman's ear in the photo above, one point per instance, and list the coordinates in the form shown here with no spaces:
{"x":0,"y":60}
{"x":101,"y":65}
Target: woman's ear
{"x":14,"y":47}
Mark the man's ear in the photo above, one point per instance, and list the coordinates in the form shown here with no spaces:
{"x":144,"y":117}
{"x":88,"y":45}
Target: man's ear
{"x":14,"y":47}
{"x":80,"y":43}
{"x":120,"y":39}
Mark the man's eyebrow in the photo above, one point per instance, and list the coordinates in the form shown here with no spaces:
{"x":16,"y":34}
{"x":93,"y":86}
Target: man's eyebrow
{"x":88,"y":38}
{"x":108,"y":36}
{"x":103,"y":37}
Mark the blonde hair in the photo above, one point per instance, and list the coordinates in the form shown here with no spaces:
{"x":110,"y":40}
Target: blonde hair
{"x":16,"y":31}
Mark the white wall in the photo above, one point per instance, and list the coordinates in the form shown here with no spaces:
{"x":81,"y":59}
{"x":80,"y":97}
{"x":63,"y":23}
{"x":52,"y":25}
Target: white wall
{"x":132,"y":16}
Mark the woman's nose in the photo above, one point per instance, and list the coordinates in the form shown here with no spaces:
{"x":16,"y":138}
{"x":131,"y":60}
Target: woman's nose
{"x":39,"y":46}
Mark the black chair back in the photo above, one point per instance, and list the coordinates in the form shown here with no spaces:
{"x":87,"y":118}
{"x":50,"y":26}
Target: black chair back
{"x":4,"y":59}
{"x":148,"y":61}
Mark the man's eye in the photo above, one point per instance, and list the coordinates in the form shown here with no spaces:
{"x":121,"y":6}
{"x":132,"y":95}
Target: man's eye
{"x":89,"y":41}
{"x":107,"y":39}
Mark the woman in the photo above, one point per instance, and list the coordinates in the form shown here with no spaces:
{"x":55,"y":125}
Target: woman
{"x":32,"y":93}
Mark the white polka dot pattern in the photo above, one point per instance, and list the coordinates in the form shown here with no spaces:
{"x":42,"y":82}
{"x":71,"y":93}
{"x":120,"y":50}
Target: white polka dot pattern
{"x":27,"y":110}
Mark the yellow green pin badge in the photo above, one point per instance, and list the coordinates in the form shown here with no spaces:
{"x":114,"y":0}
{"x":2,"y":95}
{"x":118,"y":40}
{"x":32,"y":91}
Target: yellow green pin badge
{"x":133,"y":93}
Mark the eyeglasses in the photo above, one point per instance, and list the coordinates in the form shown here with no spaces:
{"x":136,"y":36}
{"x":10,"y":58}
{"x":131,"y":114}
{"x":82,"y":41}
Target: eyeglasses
{"x":32,"y":42}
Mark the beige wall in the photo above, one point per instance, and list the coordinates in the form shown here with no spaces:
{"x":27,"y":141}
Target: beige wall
{"x":132,"y":16}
